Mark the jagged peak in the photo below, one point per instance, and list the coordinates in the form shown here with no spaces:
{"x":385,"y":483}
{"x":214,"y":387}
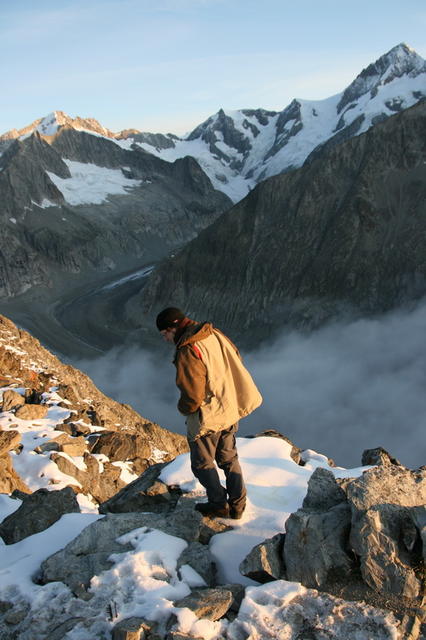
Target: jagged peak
{"x":50,"y":124}
{"x":399,"y":61}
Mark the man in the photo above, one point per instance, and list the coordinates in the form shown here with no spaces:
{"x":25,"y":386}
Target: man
{"x":216,"y":390}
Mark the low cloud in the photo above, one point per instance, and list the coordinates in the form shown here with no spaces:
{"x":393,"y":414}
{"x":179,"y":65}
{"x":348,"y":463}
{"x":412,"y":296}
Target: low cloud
{"x":339,"y":390}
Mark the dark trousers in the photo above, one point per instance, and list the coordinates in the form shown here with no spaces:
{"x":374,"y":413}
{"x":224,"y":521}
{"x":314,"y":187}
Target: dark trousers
{"x":219,"y":446}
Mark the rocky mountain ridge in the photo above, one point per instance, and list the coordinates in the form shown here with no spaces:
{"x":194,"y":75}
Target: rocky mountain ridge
{"x":238,"y":149}
{"x":76,"y":203}
{"x":350,"y":559}
{"x":343,"y":234}
{"x":89,"y":423}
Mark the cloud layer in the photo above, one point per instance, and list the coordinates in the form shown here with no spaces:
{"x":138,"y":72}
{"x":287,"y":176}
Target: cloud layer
{"x":339,"y":390}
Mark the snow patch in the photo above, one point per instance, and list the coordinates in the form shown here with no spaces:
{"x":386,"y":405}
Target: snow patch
{"x":90,"y":184}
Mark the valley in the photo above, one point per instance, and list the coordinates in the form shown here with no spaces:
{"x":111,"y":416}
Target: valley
{"x":85,"y":320}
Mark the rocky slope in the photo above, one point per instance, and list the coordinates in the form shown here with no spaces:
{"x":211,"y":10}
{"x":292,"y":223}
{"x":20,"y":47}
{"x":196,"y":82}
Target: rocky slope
{"x":345,"y":233}
{"x":349,"y":562}
{"x":75,"y":418}
{"x":75,"y":202}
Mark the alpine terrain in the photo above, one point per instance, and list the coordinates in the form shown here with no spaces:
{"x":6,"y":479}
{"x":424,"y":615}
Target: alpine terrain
{"x":345,"y":233}
{"x":100,"y":538}
{"x":87,"y":213}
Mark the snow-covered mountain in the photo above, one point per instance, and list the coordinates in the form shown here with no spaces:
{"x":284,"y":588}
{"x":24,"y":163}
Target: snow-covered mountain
{"x":238,"y":149}
{"x":50,"y":124}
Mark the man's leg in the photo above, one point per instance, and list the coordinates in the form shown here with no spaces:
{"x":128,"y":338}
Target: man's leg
{"x":203,"y":451}
{"x":227,"y":459}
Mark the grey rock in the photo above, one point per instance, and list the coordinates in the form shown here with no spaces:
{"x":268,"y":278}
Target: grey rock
{"x":378,"y":456}
{"x":315,"y":546}
{"x":418,"y":516}
{"x":323,"y":491}
{"x":32,"y":412}
{"x":378,"y":539}
{"x":12,"y":400}
{"x":101,"y":485}
{"x":146,"y":493}
{"x":385,"y":503}
{"x":60,"y":631}
{"x":133,"y":629}
{"x":388,"y":485}
{"x":238,"y":592}
{"x":212,"y":604}
{"x":265,"y":563}
{"x":87,"y":555}
{"x":198,"y":556}
{"x":16,"y":614}
{"x":37,"y":512}
{"x":317,"y":616}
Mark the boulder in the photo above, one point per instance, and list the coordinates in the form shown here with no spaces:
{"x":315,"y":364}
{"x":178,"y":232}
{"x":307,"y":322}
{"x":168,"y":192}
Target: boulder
{"x":388,"y":485}
{"x":88,"y":554}
{"x":12,"y":400}
{"x":377,"y":456}
{"x":212,"y":604}
{"x":315,"y":546}
{"x":323,"y":491}
{"x":146,"y":493}
{"x":33,"y":396}
{"x":72,"y":446}
{"x":124,"y":446}
{"x":9,"y":440}
{"x":37,"y":512}
{"x":133,"y":629}
{"x":32,"y":412}
{"x":283,"y":610}
{"x":265,"y":563}
{"x":100,"y":480}
{"x":198,"y":557}
{"x":385,"y":502}
{"x":209,"y":526}
{"x":74,"y":428}
{"x":9,"y":479}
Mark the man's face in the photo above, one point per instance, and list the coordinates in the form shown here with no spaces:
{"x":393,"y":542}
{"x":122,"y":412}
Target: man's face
{"x":169,"y":334}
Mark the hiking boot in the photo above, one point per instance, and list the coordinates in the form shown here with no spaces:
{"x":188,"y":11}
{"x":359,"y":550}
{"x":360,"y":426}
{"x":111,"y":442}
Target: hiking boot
{"x":235,"y":513}
{"x":212,"y":510}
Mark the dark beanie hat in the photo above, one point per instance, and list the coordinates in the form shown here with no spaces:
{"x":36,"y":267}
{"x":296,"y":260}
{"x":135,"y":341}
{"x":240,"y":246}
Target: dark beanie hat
{"x":169,"y":317}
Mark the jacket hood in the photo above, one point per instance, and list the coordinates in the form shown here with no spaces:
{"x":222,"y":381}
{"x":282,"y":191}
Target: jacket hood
{"x":194,"y":333}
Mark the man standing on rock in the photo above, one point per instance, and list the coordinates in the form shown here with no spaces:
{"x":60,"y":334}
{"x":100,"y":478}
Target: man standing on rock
{"x":216,"y":390}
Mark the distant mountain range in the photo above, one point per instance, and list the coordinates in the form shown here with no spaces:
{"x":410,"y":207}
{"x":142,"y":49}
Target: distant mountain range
{"x":238,"y":149}
{"x":79,"y":202}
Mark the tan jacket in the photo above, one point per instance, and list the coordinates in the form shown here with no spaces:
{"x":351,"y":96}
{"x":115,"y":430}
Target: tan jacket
{"x":216,"y":389}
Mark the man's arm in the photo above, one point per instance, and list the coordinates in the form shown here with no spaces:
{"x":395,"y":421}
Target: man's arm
{"x":190,"y":380}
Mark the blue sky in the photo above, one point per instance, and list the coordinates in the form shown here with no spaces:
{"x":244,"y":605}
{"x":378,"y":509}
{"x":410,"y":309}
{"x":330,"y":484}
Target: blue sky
{"x":166,"y":65}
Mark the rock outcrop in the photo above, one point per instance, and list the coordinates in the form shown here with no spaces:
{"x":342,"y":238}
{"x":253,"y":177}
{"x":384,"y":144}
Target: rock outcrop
{"x":360,"y":538}
{"x":106,"y":435}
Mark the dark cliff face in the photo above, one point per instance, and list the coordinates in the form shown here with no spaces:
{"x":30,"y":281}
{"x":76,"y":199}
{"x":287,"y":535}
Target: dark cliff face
{"x":43,"y":235}
{"x":345,"y":232}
